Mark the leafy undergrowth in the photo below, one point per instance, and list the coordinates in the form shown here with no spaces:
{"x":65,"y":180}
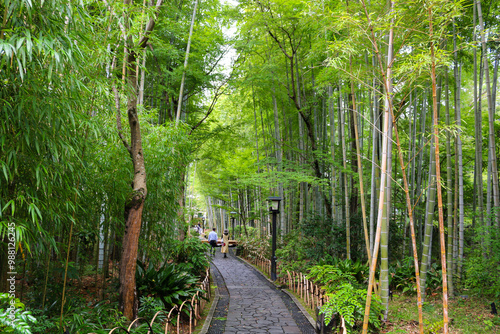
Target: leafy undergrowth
{"x":467,"y":315}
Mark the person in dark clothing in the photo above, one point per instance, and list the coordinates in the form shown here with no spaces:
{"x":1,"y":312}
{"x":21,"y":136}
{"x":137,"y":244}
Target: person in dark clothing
{"x":212,"y":240}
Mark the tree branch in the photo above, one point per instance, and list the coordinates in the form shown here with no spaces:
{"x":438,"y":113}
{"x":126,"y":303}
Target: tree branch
{"x":118,"y":113}
{"x":149,"y":27}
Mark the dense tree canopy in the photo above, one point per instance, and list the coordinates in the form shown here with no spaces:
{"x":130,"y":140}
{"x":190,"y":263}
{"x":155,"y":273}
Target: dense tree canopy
{"x":375,"y":122}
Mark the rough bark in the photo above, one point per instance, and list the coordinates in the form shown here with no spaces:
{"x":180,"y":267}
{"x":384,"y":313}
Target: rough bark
{"x":135,"y":203}
{"x":128,"y":293}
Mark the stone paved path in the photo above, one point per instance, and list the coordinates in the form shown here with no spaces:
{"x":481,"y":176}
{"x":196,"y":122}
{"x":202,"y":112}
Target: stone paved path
{"x":255,"y":305}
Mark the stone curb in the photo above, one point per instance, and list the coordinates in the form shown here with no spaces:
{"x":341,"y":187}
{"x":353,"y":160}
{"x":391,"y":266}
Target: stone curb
{"x":295,"y":300}
{"x":210,"y":315}
{"x":301,"y":308}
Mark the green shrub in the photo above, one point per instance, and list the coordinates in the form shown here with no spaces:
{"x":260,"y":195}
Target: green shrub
{"x":481,"y":276}
{"x":346,"y":292}
{"x":482,"y":266}
{"x":330,"y":277}
{"x":44,"y":324}
{"x":322,"y":238}
{"x":434,"y":279}
{"x":99,"y":318}
{"x":170,"y":285}
{"x":402,"y":276}
{"x":356,"y":269}
{"x":258,"y":245}
{"x":190,"y":256}
{"x":149,"y":306}
{"x":292,"y":256}
{"x":13,"y":316}
{"x":349,"y":303}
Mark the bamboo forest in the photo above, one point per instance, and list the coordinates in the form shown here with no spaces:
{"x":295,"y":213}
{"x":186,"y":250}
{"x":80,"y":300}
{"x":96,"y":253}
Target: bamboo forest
{"x":144,"y":146}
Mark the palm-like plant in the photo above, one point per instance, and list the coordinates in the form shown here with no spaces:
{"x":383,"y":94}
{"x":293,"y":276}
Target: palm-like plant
{"x":167,"y":283}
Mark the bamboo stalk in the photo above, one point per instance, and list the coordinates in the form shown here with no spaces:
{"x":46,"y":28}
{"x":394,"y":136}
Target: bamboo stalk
{"x":438,"y":180}
{"x":385,"y":144}
{"x":181,"y":91}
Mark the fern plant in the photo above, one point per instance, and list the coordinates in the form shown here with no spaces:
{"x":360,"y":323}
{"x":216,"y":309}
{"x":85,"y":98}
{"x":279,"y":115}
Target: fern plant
{"x":346,"y":293}
{"x":349,"y":303}
{"x":330,"y":277}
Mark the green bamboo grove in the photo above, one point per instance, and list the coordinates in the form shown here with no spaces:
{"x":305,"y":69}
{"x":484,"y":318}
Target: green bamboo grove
{"x":122,"y":122}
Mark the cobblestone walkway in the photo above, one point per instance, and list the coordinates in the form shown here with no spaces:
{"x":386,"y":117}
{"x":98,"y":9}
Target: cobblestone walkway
{"x":255,"y":305}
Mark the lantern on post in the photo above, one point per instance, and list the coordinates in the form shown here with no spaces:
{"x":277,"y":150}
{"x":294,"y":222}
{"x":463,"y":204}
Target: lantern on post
{"x":274,"y":209}
{"x":232,"y":223}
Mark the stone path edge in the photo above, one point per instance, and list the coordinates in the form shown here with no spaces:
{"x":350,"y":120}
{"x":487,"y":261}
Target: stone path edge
{"x":210,"y":315}
{"x":301,"y":308}
{"x":295,"y":300}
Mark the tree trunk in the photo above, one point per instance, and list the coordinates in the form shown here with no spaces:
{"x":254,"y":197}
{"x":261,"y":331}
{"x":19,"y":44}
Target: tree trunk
{"x":438,"y":179}
{"x":449,"y":193}
{"x":346,"y":187}
{"x":279,"y":156}
{"x":386,"y":134}
{"x":478,"y":166}
{"x":429,"y":218}
{"x":181,"y":90}
{"x":332,"y":147}
{"x":375,"y":163}
{"x":135,"y":202}
{"x":384,"y":234}
{"x":457,"y":73}
{"x":491,"y":118}
{"x":360,"y":173}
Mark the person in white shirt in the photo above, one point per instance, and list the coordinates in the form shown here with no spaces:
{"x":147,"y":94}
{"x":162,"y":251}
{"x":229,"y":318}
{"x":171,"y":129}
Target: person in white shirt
{"x":212,"y":240}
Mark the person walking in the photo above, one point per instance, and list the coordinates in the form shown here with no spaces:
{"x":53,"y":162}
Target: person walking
{"x":225,"y":243}
{"x":212,"y":240}
{"x":198,"y":228}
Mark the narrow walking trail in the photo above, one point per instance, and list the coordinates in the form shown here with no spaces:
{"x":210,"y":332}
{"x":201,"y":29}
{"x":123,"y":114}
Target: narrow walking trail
{"x":249,"y":303}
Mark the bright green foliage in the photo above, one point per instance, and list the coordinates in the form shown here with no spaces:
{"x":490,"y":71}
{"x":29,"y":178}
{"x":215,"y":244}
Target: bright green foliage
{"x":16,"y":320}
{"x":317,"y":241}
{"x":45,"y":123}
{"x":402,"y":276}
{"x":356,"y":269}
{"x":330,"y":277}
{"x":433,"y":327}
{"x":346,"y":290}
{"x":482,"y":270}
{"x":99,"y":318}
{"x":342,"y":271}
{"x":165,"y":60}
{"x":190,"y":256}
{"x":149,"y":306}
{"x":171,"y":285}
{"x":167,"y":153}
{"x":349,"y":303}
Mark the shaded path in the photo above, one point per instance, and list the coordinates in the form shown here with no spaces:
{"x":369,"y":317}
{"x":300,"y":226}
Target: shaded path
{"x":249,"y":303}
